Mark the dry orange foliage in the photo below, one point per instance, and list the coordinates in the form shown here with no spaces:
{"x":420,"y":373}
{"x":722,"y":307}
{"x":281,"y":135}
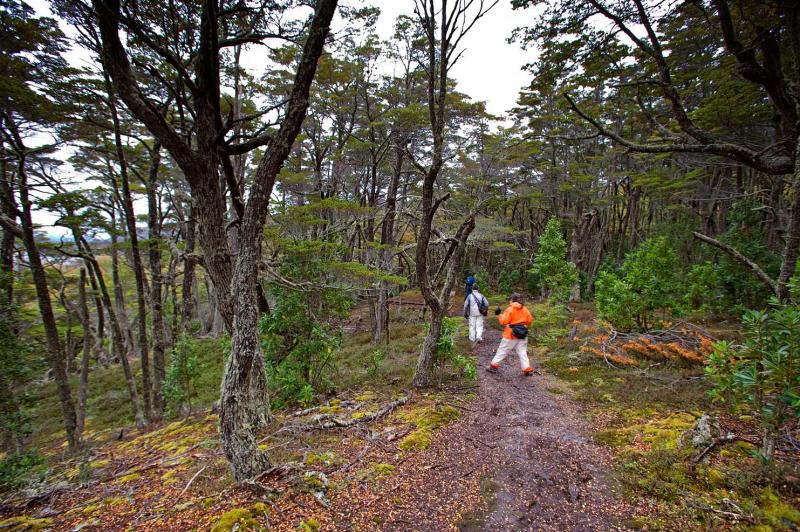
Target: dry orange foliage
{"x":682,"y":346}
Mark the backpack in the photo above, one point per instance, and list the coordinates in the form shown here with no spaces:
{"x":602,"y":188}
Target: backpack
{"x":483,"y":305}
{"x":519,"y":331}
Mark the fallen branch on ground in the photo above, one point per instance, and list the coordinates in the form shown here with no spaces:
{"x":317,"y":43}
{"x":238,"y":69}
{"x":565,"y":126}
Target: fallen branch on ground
{"x":738,"y":515}
{"x":189,"y":484}
{"x":718,"y":442}
{"x":336,"y":423}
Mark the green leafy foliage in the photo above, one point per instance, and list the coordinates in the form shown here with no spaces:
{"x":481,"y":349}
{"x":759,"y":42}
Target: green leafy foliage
{"x":510,"y":277}
{"x":16,"y":366}
{"x":446,"y":350}
{"x":374,"y":361}
{"x":555,"y":274}
{"x":723,"y":285}
{"x":299,"y":336}
{"x":17,"y":468}
{"x":648,"y":282}
{"x":182,"y":373}
{"x":764,"y":374}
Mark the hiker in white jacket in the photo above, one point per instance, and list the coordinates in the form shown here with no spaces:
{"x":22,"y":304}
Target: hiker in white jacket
{"x":472,"y":312}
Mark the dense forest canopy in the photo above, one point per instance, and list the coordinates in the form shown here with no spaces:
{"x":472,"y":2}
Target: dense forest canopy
{"x":650,"y":168}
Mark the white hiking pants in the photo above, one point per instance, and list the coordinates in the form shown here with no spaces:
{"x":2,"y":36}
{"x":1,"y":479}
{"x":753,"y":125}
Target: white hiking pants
{"x":507,"y":346}
{"x":476,"y":328}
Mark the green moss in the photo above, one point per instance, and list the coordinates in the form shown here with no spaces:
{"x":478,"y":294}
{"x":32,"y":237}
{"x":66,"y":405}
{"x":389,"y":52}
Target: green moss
{"x":657,"y":433}
{"x":310,"y":525}
{"x":614,"y":437}
{"x":427,"y":417}
{"x":417,"y":440}
{"x":333,"y":409}
{"x":98,"y":464}
{"x":208,"y":502}
{"x":169,"y":474}
{"x":325,"y":459}
{"x":366,"y":396}
{"x":26,"y":523}
{"x":776,"y":512}
{"x":313,"y":482}
{"x":92,"y":508}
{"x":381,"y":469}
{"x":715,"y":477}
{"x":128,"y":478}
{"x":359,"y":415}
{"x":114,"y":501}
{"x":241,"y":519}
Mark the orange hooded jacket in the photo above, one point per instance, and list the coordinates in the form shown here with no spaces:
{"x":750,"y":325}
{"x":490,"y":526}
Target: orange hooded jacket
{"x":515,"y":314}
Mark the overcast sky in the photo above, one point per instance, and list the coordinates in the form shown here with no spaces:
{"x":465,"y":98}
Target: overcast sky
{"x":491,"y":68}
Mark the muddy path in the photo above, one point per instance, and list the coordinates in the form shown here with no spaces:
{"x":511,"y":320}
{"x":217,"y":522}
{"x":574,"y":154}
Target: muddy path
{"x":546,"y":473}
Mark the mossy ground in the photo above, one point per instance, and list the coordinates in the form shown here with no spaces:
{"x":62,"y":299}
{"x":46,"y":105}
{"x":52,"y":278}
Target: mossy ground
{"x":641,"y":415}
{"x":176,"y":473}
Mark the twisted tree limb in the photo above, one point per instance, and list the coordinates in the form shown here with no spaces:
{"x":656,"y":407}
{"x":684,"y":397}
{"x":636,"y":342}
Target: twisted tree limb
{"x":755,"y":268}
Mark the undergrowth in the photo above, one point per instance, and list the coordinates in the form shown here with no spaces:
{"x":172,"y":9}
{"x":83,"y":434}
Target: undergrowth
{"x":642,"y":413}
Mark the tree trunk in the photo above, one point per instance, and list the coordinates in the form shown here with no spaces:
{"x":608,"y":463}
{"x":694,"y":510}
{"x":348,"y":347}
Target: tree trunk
{"x":423,"y":373}
{"x":156,"y":307}
{"x":83,"y":386}
{"x":54,"y":353}
{"x":116,"y":333}
{"x":243,"y":406}
{"x":791,"y":249}
{"x":188,"y":276}
{"x":100,"y":332}
{"x":11,"y":420}
{"x":133,"y":238}
{"x":121,"y":314}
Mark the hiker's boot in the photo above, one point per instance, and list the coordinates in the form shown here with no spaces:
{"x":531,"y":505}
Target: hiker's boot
{"x":527,"y":372}
{"x":493,"y":368}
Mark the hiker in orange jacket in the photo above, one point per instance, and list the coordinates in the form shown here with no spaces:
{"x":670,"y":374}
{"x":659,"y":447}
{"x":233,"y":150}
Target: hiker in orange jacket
{"x":515,"y":338}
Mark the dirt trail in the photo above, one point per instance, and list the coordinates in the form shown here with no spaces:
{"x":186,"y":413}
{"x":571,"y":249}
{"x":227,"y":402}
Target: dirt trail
{"x":549,"y":475}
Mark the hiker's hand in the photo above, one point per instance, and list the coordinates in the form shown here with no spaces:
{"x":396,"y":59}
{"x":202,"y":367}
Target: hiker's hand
{"x":497,"y":311}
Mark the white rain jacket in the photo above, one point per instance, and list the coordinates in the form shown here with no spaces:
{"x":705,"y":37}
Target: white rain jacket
{"x":471,"y":303}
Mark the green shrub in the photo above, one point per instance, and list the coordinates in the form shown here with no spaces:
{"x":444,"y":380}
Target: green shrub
{"x":182,"y":373}
{"x":722,"y":285}
{"x":648,"y":283}
{"x":375,"y":359}
{"x":704,"y":291}
{"x":482,"y":280}
{"x":763,"y":374}
{"x":556,"y":275}
{"x":16,"y":367}
{"x":17,"y":468}
{"x":446,"y":348}
{"x":509,"y":278}
{"x":299,"y":336}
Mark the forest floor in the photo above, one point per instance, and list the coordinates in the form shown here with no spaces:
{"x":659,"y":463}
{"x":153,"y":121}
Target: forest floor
{"x":549,"y":474}
{"x":580,"y":446}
